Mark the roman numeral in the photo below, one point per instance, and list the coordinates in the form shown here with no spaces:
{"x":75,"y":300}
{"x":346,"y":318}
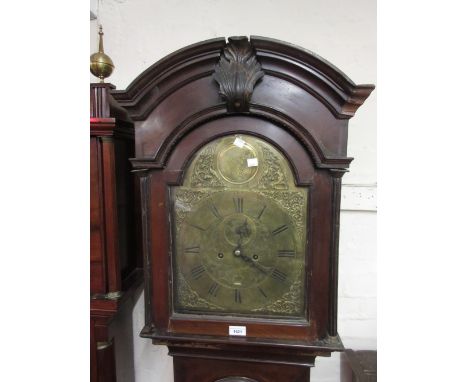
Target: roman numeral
{"x":215,"y":211}
{"x":238,"y":204}
{"x":237,"y":296}
{"x":261,"y":213}
{"x":278,"y":230}
{"x":194,"y":249}
{"x":286,"y":253}
{"x":262,"y":292}
{"x":196,"y":226}
{"x":198,"y":271}
{"x":213,"y":289}
{"x":278,"y":275}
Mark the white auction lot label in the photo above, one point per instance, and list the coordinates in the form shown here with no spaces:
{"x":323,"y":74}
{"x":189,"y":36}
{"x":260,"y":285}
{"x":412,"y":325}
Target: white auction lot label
{"x":237,"y":330}
{"x":252,"y":162}
{"x":239,"y":142}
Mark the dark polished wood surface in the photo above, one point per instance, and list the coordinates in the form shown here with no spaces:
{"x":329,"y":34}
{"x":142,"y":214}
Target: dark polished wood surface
{"x":320,"y":184}
{"x":301,"y":104}
{"x":358,"y":366}
{"x":187,"y":369}
{"x":301,"y":90}
{"x":115,"y":255}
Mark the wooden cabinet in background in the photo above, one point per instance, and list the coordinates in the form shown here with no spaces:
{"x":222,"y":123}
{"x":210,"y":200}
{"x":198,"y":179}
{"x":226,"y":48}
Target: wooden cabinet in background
{"x":115,"y":267}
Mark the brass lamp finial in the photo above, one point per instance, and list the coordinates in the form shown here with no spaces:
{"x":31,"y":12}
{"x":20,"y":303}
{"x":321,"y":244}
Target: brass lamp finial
{"x":101,"y":64}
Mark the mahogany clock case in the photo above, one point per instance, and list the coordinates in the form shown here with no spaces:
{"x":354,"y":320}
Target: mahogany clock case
{"x":301,"y":105}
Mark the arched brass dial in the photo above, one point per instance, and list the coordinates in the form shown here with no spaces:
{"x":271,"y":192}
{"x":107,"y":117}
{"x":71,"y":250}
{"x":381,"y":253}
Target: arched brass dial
{"x":239,"y":224}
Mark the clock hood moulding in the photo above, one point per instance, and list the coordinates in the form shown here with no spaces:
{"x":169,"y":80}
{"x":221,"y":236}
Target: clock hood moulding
{"x":296,"y":83}
{"x":340,"y":93}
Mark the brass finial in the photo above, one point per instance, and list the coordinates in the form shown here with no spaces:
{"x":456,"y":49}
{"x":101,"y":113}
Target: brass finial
{"x":101,"y":64}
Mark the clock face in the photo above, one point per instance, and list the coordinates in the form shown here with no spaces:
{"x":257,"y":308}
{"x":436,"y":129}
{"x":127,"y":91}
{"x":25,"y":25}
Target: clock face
{"x":239,"y":227}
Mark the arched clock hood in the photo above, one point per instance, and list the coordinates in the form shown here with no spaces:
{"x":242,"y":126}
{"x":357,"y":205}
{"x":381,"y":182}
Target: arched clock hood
{"x":180,"y":91}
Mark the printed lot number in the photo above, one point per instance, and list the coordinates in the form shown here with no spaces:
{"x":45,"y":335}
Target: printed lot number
{"x":237,"y":331}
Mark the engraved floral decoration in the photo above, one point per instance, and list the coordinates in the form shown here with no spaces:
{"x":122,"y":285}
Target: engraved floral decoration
{"x":293,"y":202}
{"x":204,"y":174}
{"x":291,"y":302}
{"x":188,"y":298}
{"x":273,"y":176}
{"x":185,"y":199}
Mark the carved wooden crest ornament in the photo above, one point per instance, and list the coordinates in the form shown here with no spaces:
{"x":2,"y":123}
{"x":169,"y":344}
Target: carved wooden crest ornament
{"x":237,"y":73}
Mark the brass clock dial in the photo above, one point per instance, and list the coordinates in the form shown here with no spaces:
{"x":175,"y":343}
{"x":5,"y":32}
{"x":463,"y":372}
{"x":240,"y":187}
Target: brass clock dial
{"x":239,"y":232}
{"x":238,"y":250}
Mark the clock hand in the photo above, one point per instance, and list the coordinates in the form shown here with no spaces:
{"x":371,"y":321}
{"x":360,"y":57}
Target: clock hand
{"x":261,"y":268}
{"x":240,"y":233}
{"x":241,"y":230}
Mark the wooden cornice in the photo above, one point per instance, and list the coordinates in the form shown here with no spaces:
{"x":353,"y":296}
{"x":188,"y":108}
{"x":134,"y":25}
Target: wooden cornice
{"x":304,"y":68}
{"x":280,"y":59}
{"x":157,"y":82}
{"x":180,"y":92}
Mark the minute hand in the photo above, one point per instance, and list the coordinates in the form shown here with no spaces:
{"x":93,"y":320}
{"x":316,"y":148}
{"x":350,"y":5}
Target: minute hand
{"x":254,"y":264}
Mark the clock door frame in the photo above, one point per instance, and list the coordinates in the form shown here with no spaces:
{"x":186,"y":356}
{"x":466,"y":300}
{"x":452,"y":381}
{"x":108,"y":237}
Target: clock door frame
{"x":298,"y":102}
{"x":318,"y":206}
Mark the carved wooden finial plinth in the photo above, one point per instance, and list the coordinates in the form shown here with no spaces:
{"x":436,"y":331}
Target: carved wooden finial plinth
{"x":103,"y":104}
{"x":99,"y":100}
{"x":237,"y":72}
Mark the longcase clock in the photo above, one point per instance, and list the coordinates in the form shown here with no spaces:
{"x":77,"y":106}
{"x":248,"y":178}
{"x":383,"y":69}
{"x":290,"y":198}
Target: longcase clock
{"x":240,"y":147}
{"x":115,"y":263}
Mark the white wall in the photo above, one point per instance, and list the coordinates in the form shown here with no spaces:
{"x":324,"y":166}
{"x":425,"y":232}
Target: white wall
{"x":140,"y":32}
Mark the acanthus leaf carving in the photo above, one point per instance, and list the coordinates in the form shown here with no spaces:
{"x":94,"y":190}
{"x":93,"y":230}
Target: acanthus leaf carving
{"x":237,"y":73}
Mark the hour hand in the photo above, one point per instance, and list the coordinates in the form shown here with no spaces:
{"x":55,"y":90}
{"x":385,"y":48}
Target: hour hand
{"x":254,"y":264}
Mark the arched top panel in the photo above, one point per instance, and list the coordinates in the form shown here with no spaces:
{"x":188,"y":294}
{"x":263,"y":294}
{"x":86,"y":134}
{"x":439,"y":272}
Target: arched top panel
{"x":274,"y":80}
{"x":300,"y":161}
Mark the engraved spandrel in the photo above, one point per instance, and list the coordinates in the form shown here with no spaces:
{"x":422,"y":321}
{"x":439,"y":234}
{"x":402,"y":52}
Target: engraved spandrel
{"x":204,"y":173}
{"x":273,"y":176}
{"x":291,"y":302}
{"x":293,"y":203}
{"x":188,"y":298}
{"x":184,"y":200}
